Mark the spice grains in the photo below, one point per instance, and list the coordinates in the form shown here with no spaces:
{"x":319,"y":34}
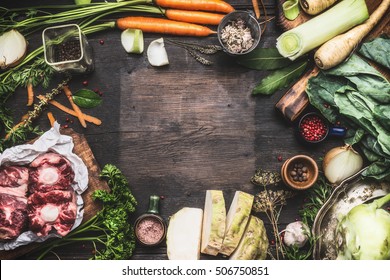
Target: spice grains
{"x":237,"y":36}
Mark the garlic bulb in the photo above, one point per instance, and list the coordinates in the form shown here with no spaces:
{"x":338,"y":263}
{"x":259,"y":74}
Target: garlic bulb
{"x":296,"y":234}
{"x":340,"y":163}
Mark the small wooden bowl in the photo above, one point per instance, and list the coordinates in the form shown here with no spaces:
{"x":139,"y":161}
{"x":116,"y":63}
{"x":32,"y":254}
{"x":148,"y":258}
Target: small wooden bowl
{"x":312,"y":172}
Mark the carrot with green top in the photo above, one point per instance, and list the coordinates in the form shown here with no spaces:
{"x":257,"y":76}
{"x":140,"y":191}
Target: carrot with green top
{"x":164,"y":26}
{"x":218,"y":6}
{"x":198,"y":17}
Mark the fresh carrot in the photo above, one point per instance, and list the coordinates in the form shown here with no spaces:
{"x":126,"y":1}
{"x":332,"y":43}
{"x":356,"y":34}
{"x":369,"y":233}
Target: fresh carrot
{"x":165,"y":26}
{"x":51,"y":118}
{"x":218,"y":6}
{"x":30,"y":94}
{"x":194,"y":16}
{"x":76,"y":108}
{"x":69,"y":111}
{"x":337,"y":49}
{"x":256,"y":8}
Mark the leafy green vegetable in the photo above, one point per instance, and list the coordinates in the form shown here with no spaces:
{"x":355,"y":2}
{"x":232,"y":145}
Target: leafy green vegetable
{"x":365,"y":232}
{"x":360,"y":95}
{"x":377,"y":50}
{"x":86,"y":98}
{"x":280,"y":78}
{"x":263,"y":59}
{"x":110,"y":227}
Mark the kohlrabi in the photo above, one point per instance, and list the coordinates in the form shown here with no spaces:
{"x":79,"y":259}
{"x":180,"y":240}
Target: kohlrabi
{"x":364,"y":233}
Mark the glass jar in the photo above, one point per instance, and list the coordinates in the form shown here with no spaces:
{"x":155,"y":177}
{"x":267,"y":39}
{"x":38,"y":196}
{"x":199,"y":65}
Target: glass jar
{"x":66,"y":49}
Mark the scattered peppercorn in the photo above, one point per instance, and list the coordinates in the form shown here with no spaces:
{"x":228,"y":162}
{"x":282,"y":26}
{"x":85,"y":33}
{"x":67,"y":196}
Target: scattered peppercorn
{"x":69,"y":50}
{"x":280,"y":158}
{"x":85,"y":83}
{"x":101,"y":42}
{"x":162,"y":197}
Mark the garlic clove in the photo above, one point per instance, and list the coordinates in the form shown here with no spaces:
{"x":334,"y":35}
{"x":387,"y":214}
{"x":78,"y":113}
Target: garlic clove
{"x":157,"y":54}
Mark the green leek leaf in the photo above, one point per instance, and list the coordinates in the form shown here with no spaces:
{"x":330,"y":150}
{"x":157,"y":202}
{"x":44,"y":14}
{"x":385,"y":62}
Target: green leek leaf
{"x":280,"y":78}
{"x":86,"y":98}
{"x":263,"y":59}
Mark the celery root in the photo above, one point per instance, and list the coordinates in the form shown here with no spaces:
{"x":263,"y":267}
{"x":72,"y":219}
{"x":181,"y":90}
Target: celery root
{"x":313,"y":33}
{"x":254,"y":242}
{"x":184,"y":234}
{"x":336,"y":50}
{"x":236,"y":220}
{"x":214,"y":222}
{"x":314,"y":7}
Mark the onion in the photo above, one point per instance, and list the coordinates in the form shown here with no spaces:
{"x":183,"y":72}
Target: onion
{"x":340,"y":163}
{"x":13,"y":47}
{"x":157,"y":54}
{"x":132,"y":40}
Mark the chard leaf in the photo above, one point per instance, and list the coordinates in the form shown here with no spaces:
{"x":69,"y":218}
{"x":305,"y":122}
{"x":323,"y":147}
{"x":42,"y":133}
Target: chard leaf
{"x":355,"y":138}
{"x":263,"y":59}
{"x":378,"y":170}
{"x":377,"y":50}
{"x":280,"y":78}
{"x":86,"y":98}
{"x":382,"y":114}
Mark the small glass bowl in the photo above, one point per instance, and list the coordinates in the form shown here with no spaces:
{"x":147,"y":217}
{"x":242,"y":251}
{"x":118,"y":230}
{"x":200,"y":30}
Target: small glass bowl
{"x":250,"y":21}
{"x":66,"y":49}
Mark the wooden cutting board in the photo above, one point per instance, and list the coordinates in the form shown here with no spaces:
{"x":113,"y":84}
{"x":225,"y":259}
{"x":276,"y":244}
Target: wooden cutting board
{"x":82,"y":149}
{"x":295,"y":99}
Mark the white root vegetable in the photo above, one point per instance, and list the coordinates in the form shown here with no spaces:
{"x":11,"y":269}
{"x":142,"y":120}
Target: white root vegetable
{"x":236,"y":221}
{"x":341,"y":162}
{"x":254,"y":243}
{"x":13,"y":48}
{"x":214,"y":222}
{"x":336,"y":50}
{"x":314,"y":7}
{"x":132,"y":40}
{"x":157,"y":54}
{"x":184,"y":234}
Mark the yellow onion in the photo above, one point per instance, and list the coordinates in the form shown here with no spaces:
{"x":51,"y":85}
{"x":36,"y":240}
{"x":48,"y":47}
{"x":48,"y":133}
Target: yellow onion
{"x":340,"y":163}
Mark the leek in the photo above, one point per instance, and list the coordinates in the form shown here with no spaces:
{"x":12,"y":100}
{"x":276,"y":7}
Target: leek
{"x":318,"y":30}
{"x":291,"y":9}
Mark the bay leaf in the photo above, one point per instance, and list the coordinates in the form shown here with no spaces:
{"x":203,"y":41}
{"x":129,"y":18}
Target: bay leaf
{"x":280,"y":78}
{"x":86,"y":98}
{"x":263,"y":59}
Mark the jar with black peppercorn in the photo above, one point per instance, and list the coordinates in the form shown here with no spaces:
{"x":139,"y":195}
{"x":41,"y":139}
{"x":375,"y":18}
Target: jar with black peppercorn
{"x":66,"y":49}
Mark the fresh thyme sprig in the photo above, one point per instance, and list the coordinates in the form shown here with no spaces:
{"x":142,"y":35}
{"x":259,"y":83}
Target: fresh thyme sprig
{"x":19,"y":133}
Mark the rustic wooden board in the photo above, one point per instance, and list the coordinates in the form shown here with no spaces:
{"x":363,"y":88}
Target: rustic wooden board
{"x":82,"y":149}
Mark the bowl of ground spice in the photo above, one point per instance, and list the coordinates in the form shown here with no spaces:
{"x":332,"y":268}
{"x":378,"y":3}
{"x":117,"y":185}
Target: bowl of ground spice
{"x":239,"y":33}
{"x":299,"y":172}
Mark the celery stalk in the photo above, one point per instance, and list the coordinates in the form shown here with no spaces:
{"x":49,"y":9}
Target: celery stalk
{"x":318,"y":30}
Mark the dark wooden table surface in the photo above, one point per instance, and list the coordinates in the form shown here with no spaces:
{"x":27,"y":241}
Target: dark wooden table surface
{"x":179,"y":130}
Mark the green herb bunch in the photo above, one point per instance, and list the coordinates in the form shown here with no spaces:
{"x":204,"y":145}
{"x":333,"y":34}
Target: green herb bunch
{"x":110,"y":229}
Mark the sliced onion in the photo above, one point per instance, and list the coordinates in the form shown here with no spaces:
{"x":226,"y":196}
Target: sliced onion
{"x":340,"y":163}
{"x":13,"y":47}
{"x":157,"y":54}
{"x":133,"y":40}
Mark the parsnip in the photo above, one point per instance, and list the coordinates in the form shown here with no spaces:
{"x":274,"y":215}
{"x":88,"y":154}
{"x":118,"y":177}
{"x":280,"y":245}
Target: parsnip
{"x":184,"y":233}
{"x":214,"y":222}
{"x":254,"y":242}
{"x":336,"y":50}
{"x":314,"y":7}
{"x":236,"y":221}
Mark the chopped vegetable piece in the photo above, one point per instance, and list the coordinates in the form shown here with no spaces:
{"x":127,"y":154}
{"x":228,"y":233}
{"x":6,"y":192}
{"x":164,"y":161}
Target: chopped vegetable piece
{"x":214,"y":222}
{"x":184,"y":234}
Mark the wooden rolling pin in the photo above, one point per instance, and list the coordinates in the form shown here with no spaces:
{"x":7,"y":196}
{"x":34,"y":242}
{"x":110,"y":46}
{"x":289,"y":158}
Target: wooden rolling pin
{"x":295,"y":100}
